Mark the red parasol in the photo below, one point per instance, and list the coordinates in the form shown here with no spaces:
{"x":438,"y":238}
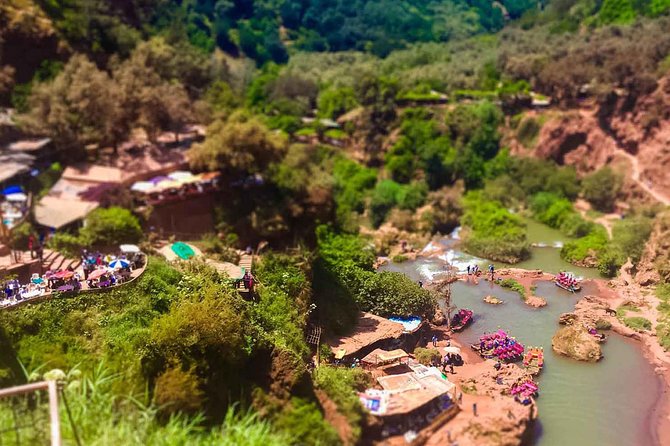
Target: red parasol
{"x":64,"y":274}
{"x":97,"y":273}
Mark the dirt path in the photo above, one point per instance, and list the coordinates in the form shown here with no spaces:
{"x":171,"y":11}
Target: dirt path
{"x":635,"y":175}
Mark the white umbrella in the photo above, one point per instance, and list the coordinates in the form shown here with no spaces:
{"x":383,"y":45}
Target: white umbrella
{"x":119,"y":263}
{"x":180,"y":175}
{"x":451,"y":349}
{"x":18,"y":196}
{"x":142,"y":186}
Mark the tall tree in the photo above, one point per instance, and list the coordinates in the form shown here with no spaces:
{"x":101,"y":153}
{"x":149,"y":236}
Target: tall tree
{"x":79,"y":107}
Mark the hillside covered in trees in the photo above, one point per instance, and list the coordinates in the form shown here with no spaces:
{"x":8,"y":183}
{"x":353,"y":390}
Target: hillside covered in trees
{"x":339,"y":128}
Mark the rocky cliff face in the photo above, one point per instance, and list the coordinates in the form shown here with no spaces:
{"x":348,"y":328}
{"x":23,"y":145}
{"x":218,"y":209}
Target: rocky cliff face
{"x":632,"y":136}
{"x":654,"y":265}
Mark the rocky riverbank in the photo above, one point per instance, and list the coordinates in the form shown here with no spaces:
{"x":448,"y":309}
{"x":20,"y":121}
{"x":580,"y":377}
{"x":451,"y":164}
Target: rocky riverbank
{"x":598,"y":310}
{"x":489,"y":414}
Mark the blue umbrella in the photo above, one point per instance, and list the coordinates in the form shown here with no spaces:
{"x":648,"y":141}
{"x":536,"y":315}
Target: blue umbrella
{"x":119,"y":263}
{"x":12,"y":190}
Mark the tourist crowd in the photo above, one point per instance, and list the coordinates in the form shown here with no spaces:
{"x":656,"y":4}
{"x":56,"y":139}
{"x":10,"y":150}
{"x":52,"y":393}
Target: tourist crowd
{"x":97,"y":271}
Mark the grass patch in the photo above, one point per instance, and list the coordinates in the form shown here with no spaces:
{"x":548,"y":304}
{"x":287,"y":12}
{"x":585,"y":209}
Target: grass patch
{"x":399,"y":258}
{"x":625,"y":308}
{"x":663,"y":328}
{"x":514,"y":285}
{"x":637,"y":323}
{"x":336,"y":134}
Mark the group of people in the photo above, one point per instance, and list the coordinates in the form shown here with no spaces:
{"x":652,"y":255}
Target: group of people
{"x":98,"y":272}
{"x":523,"y":390}
{"x":500,"y":345}
{"x":63,"y":281}
{"x":567,"y":281}
{"x":475,"y":271}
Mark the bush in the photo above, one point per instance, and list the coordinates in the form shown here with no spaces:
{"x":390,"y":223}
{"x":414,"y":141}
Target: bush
{"x":601,"y":188}
{"x":20,"y":236}
{"x":609,"y":262}
{"x":491,"y":231}
{"x":602,"y":324}
{"x":427,"y":356}
{"x":178,"y":391}
{"x":341,"y":385}
{"x":111,"y":227}
{"x":390,"y":294}
{"x":384,"y":198}
{"x":528,"y":131}
{"x":629,"y":236}
{"x":304,"y":421}
{"x":399,"y":258}
{"x":585,"y":248}
{"x":67,"y":244}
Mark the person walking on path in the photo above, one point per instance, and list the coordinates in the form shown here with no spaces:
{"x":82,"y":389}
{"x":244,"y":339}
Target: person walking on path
{"x":434,"y":341}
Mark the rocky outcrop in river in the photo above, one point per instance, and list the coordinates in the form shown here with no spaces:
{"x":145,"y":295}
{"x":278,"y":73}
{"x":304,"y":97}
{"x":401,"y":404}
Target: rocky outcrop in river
{"x":574,"y":341}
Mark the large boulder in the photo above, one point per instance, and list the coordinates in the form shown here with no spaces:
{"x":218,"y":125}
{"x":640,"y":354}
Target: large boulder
{"x":438,"y":317}
{"x":575,"y":342}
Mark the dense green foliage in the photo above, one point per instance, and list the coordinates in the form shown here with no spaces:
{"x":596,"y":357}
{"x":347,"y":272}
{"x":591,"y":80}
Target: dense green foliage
{"x":491,"y":231}
{"x":427,"y":95}
{"x":179,"y":329}
{"x":559,"y":213}
{"x":601,"y":188}
{"x":345,"y":284}
{"x":341,"y":385}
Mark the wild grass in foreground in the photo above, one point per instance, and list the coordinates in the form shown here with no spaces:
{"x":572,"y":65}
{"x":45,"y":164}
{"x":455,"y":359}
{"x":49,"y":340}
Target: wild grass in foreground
{"x":102,"y":417}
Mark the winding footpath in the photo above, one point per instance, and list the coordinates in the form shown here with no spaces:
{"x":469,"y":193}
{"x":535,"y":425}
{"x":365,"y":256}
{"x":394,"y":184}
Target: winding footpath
{"x":635,"y":175}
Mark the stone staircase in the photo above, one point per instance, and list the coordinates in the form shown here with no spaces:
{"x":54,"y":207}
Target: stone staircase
{"x":246,"y":262}
{"x":53,"y":260}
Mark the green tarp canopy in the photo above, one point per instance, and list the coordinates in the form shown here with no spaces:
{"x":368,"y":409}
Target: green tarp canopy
{"x":182,"y":250}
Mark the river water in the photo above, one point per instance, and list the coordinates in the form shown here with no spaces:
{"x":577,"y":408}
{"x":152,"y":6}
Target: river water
{"x":608,"y":403}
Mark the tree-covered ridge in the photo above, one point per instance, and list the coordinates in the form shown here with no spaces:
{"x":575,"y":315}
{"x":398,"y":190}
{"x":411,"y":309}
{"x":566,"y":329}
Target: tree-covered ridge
{"x":265,"y":29}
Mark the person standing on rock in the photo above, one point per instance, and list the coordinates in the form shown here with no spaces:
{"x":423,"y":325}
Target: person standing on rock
{"x":434,"y":341}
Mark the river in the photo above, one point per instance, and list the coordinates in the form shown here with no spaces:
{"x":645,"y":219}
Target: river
{"x":607,"y":403}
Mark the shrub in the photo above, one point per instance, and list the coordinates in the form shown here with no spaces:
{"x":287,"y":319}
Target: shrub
{"x":630,"y":235}
{"x":399,"y":258}
{"x":20,"y":235}
{"x":178,"y":391}
{"x":412,"y":196}
{"x":384,"y":198}
{"x":527,"y":132}
{"x":427,"y":356}
{"x":390,"y":294}
{"x":491,"y":231}
{"x":341,"y":385}
{"x":67,"y":244}
{"x":602,"y":324}
{"x":589,"y":246}
{"x":609,"y":262}
{"x":601,"y":188}
{"x":111,"y":227}
{"x":304,"y":421}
